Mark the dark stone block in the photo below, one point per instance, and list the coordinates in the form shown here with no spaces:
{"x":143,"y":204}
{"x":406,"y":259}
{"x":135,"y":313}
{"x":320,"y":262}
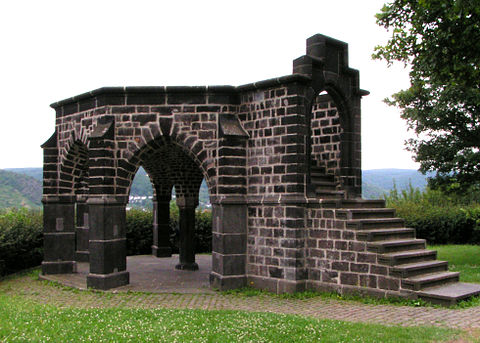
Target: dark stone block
{"x":349,"y":279}
{"x":378,"y":270}
{"x":161,"y":251}
{"x":368,"y":281}
{"x":230,"y":218}
{"x":187,"y":266}
{"x":228,"y":264}
{"x":59,"y":246}
{"x":144,"y":118}
{"x":340,"y":266}
{"x":82,"y":256}
{"x":225,"y":283}
{"x":185,"y":98}
{"x":108,"y":281}
{"x":275,"y":272}
{"x":63,"y":267}
{"x":145,"y":98}
{"x":229,"y":243}
{"x":108,"y":256}
{"x":359,"y":267}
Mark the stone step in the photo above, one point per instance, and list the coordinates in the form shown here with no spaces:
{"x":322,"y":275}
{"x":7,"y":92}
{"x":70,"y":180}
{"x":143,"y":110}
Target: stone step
{"x":418,"y":268}
{"x":324,"y":186}
{"x":378,"y":223}
{"x":361,"y":203}
{"x":389,"y":246}
{"x":322,"y":177}
{"x":450,"y":294}
{"x":419,"y":282}
{"x":385,"y":234}
{"x":326,"y":194}
{"x":320,"y":170}
{"x":365,"y":213}
{"x":403,"y":257}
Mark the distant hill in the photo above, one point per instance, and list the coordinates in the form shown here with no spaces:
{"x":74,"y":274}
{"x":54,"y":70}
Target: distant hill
{"x":19,"y":190}
{"x":23,"y":185}
{"x":377,"y":182}
{"x":36,"y":173}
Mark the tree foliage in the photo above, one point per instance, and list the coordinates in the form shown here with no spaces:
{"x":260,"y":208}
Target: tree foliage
{"x":440,"y":40}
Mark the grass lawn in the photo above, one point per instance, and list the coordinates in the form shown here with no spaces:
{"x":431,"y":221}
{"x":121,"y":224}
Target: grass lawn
{"x":25,"y":318}
{"x":461,"y":258}
{"x":25,"y":321}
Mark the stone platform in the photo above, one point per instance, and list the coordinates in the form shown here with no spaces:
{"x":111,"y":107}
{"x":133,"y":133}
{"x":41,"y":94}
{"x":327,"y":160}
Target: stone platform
{"x":150,"y":274}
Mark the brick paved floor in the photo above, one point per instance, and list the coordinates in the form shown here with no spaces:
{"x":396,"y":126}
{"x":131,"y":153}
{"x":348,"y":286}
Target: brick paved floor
{"x":187,"y":296}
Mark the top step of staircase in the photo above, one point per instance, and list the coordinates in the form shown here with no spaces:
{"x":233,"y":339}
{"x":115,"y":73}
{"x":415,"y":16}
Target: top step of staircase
{"x":361,"y":203}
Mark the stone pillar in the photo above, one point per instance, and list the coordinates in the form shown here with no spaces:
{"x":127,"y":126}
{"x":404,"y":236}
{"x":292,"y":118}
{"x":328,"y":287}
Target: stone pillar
{"x":186,"y":218}
{"x":229,"y":244}
{"x":59,"y":235}
{"x":107,"y":243}
{"x":161,"y":227}
{"x":81,"y":229}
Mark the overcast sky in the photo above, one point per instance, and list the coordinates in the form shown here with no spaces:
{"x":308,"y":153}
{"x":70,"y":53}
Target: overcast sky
{"x":52,"y":50}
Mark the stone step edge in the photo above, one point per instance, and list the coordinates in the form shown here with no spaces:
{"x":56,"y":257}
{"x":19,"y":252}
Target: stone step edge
{"x":398,"y":256}
{"x":419,"y":282}
{"x":434,"y":294}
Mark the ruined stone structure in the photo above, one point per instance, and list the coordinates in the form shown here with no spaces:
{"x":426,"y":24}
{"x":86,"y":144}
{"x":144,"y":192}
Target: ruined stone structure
{"x":282,"y":161}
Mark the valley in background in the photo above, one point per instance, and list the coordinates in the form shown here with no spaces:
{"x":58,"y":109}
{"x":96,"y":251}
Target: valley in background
{"x":22,"y":187}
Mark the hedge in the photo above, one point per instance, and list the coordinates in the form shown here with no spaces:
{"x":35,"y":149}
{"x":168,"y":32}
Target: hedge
{"x":437,"y":217}
{"x":443,"y":225}
{"x":139,"y":231}
{"x":21,"y":237}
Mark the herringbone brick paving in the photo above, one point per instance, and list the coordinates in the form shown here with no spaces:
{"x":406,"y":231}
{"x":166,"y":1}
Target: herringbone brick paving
{"x":49,"y":293}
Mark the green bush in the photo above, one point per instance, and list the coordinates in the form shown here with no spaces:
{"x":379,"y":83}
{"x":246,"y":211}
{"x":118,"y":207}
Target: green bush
{"x":21,"y":236}
{"x":437,"y":217}
{"x":21,"y":239}
{"x":139,"y":231}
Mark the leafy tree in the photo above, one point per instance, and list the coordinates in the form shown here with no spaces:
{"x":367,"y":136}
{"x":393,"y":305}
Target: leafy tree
{"x":440,"y":40}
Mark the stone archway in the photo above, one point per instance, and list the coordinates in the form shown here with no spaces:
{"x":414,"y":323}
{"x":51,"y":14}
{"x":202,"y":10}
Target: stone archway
{"x":168,"y":166}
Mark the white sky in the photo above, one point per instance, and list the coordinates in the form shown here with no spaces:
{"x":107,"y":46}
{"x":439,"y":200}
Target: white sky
{"x":52,"y":50}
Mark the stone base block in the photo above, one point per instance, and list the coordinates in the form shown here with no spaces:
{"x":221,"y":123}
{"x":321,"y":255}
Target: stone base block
{"x":61,"y":267}
{"x":107,"y":281}
{"x":82,"y":256}
{"x":277,"y":286}
{"x":224,"y":283}
{"x":161,"y":251}
{"x":187,"y":266}
{"x":322,"y":287}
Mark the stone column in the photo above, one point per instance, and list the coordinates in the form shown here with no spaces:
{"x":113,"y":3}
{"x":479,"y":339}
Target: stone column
{"x":81,"y":229}
{"x":59,"y":235}
{"x":229,"y":244}
{"x":186,"y":220}
{"x":107,"y":243}
{"x":161,"y":226}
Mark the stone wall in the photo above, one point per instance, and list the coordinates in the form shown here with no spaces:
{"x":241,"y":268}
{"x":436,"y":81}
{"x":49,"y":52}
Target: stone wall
{"x":338,"y":261}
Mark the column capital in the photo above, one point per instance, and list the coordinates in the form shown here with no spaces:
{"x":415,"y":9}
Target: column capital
{"x":107,"y":200}
{"x":185,"y":202}
{"x":58,"y":199}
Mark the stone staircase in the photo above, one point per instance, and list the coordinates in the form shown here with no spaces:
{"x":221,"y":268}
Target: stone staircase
{"x":397,"y":246}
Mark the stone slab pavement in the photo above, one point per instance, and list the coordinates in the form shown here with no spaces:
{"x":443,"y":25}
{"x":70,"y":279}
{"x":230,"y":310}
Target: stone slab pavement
{"x":156,"y":284}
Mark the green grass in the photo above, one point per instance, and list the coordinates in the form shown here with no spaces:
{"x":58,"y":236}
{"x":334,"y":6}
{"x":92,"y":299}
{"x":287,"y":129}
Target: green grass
{"x":25,"y":321}
{"x":461,"y":258}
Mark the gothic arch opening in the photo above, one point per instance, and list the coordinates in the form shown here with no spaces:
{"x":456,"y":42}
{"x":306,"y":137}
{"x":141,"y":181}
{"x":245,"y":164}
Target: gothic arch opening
{"x":74,"y":174}
{"x":332,"y":143}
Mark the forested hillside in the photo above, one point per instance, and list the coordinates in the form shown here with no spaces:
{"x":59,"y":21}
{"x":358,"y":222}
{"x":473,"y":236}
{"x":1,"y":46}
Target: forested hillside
{"x":23,"y":186}
{"x":19,"y":190}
